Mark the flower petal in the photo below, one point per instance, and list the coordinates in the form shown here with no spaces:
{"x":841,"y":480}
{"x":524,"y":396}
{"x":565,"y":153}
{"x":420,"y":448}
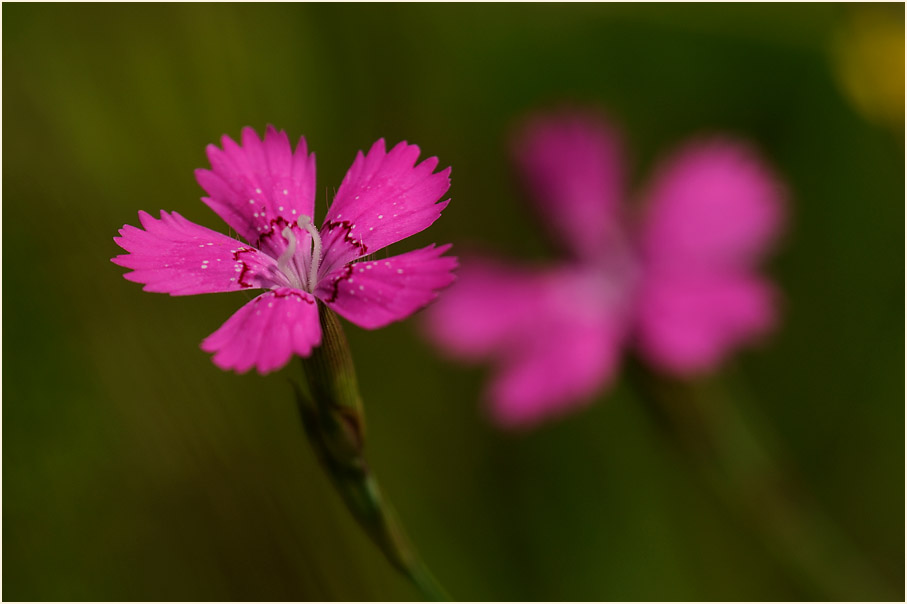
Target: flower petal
{"x":266,"y":332}
{"x":374,"y":293}
{"x":260,"y":186}
{"x":555,"y":335}
{"x":176,"y":256}
{"x":384,"y":197}
{"x":689,"y":323}
{"x":557,"y":370}
{"x":490,"y":302}
{"x":573,"y":170}
{"x":712,"y":212}
{"x":712,"y":204}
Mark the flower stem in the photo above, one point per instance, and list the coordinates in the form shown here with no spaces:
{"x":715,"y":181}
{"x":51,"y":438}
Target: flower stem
{"x":332,"y":414}
{"x":721,"y":445}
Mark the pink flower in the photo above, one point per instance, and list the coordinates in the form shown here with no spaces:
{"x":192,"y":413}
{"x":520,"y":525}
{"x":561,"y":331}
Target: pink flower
{"x":265,"y":191}
{"x":677,"y":280}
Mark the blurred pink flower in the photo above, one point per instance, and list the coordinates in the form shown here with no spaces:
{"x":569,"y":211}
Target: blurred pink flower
{"x":678,"y":281}
{"x":265,"y":191}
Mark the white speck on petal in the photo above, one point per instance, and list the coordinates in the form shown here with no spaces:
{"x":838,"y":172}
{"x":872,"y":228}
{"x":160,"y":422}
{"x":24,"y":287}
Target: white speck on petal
{"x":285,"y":192}
{"x":399,"y":271}
{"x":252,"y":200}
{"x":361,"y":287}
{"x":258,"y":190}
{"x":280,"y":208}
{"x":380,"y":216}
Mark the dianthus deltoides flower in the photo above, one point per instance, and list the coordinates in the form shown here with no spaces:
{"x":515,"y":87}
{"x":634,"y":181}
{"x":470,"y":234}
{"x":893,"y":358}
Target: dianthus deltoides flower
{"x":265,"y":191}
{"x":674,"y":276}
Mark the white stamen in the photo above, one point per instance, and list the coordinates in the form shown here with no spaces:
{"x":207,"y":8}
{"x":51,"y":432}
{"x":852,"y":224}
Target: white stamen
{"x":283,"y":263}
{"x":305,"y":222}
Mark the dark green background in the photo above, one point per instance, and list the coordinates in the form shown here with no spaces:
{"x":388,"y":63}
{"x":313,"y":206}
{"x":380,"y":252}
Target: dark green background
{"x":133,"y":468}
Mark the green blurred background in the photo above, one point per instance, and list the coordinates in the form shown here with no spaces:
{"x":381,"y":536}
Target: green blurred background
{"x":133,"y":468}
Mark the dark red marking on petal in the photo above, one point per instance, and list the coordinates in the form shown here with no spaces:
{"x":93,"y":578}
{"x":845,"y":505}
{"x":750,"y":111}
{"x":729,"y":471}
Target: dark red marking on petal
{"x":335,"y":285}
{"x":286,"y":293}
{"x":275,"y":225}
{"x":245,"y":267}
{"x":348,"y":236}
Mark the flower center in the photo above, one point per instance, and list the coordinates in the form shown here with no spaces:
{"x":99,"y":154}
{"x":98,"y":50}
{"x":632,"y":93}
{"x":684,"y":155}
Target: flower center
{"x":286,"y":262}
{"x":610,"y":281}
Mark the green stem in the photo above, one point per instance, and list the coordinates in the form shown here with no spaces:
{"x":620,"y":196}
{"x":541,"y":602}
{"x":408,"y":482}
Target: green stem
{"x":333,"y":417}
{"x":721,"y":445}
